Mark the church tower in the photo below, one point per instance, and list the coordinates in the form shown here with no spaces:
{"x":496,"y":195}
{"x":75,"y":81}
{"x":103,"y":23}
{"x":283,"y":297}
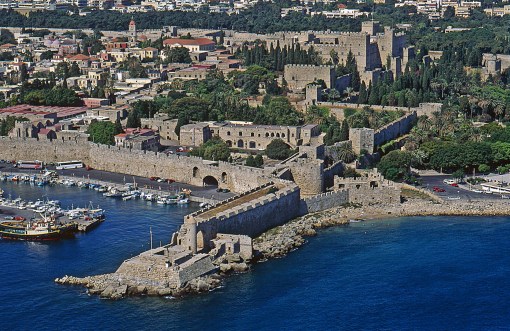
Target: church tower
{"x":132,"y":30}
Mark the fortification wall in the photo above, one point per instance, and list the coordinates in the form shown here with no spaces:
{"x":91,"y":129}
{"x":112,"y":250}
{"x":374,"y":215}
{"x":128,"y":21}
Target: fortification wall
{"x":324,"y":201}
{"x":44,"y":150}
{"x":298,"y":76}
{"x":394,"y":129}
{"x":251,"y":218}
{"x":191,"y":170}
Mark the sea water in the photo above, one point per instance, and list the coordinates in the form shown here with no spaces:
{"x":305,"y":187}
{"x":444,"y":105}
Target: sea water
{"x":436,"y":273}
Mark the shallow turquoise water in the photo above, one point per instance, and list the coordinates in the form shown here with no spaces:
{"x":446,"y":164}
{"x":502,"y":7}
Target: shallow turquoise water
{"x":413,"y":273}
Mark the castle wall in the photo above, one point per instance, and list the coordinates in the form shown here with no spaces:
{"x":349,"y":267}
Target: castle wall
{"x":324,"y":201}
{"x":394,"y":129}
{"x":298,"y":76}
{"x":191,"y":170}
{"x":251,"y":218}
{"x":44,"y":150}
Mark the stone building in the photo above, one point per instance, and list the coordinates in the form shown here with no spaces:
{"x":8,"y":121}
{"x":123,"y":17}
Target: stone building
{"x":138,"y":139}
{"x":362,"y":139}
{"x":370,"y":188}
{"x":163,"y":124}
{"x":246,"y":135}
{"x":194,"y":134}
{"x":298,"y":76}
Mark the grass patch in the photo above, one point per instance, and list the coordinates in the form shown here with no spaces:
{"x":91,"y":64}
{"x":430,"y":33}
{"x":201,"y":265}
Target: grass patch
{"x":414,"y":194}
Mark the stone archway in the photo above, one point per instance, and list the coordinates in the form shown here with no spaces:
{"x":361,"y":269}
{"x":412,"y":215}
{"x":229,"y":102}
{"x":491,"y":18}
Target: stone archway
{"x":196,"y":172}
{"x":210,"y":181}
{"x":240,"y":144}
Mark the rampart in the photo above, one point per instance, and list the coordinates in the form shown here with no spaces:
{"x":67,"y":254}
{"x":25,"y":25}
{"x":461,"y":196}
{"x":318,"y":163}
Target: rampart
{"x":369,"y":189}
{"x":394,"y":129}
{"x":251,"y":218}
{"x":324,"y":201}
{"x":298,"y":76}
{"x":191,"y":170}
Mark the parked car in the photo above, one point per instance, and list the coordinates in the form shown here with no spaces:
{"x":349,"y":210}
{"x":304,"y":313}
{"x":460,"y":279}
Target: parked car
{"x":154,"y":178}
{"x":438,"y":189}
{"x":448,"y":181}
{"x":170,"y":181}
{"x":454,"y":184}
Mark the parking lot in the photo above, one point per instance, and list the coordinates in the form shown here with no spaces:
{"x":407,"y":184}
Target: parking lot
{"x":463,"y":191}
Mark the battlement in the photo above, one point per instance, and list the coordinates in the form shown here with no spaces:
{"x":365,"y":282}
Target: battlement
{"x":309,"y":66}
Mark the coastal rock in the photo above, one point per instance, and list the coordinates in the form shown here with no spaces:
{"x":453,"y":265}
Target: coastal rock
{"x":225,"y":268}
{"x":202,"y":286}
{"x":240,"y":267}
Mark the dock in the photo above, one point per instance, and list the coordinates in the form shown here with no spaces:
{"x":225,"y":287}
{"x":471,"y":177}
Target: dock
{"x":84,"y":225}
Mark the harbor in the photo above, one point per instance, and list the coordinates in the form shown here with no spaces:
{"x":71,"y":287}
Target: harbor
{"x":21,"y":216}
{"x":44,"y":220}
{"x":125,"y":190}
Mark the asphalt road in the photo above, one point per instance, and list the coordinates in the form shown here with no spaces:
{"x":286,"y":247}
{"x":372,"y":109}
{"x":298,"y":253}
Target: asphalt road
{"x":208,"y":192}
{"x":452,"y":192}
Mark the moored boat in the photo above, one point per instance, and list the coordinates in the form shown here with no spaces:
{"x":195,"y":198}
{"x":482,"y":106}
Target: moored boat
{"x":40,"y":230}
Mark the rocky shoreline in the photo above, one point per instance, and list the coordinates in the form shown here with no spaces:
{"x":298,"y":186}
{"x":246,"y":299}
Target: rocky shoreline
{"x":281,"y":240}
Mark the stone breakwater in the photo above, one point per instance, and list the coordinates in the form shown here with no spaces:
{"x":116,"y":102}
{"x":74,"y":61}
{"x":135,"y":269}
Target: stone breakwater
{"x":113,"y":286}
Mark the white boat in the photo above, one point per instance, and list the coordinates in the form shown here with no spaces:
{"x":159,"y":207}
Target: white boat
{"x":127,"y":197}
{"x":162,"y":201}
{"x":183,"y":201}
{"x":149,"y":197}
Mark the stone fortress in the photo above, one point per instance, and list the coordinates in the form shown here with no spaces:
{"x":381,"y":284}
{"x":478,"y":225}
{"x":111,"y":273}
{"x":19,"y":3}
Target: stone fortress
{"x":247,"y":135}
{"x":269,"y":197}
{"x":376,"y":50}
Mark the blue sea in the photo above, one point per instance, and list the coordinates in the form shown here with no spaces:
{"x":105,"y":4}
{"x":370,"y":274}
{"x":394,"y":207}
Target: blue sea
{"x":431,"y":273}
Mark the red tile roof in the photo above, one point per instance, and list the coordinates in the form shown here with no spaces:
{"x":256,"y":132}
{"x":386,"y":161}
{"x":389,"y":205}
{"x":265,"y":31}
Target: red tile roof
{"x":79,"y":57}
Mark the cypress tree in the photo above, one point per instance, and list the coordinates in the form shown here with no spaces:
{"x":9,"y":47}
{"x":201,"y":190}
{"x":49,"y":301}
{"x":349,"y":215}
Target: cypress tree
{"x":363,"y":94}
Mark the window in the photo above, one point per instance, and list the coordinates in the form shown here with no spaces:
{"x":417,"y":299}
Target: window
{"x":253,"y":134}
{"x":240,"y":134}
{"x":228,"y":133}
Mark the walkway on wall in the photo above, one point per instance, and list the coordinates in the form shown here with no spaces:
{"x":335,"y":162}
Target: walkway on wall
{"x":236,"y":202}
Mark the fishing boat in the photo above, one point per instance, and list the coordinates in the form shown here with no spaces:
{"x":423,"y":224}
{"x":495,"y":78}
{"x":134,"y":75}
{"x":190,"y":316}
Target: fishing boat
{"x":40,"y":230}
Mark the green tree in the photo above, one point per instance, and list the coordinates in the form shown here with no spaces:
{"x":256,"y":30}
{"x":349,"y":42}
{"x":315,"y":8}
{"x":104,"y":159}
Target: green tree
{"x":133,"y":120}
{"x":177,"y":55}
{"x":214,"y":149}
{"x":259,"y":161}
{"x":278,"y":150}
{"x":484,"y":168}
{"x":46,"y":55}
{"x":396,"y":165}
{"x":102,"y":132}
{"x":250,"y":161}
{"x":459,"y":175}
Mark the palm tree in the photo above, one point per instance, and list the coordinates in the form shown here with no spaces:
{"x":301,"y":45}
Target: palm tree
{"x":499,"y":110}
{"x":345,"y":153}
